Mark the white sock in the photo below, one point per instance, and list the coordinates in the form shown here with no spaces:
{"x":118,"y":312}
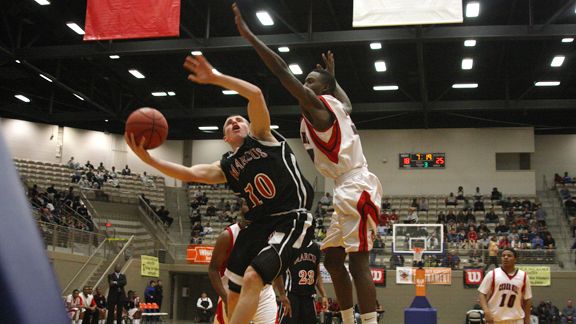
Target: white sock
{"x":136,"y":321}
{"x":369,"y":318}
{"x":347,"y":316}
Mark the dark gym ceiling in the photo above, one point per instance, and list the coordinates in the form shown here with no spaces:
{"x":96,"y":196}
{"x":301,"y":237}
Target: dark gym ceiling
{"x":516,"y":41}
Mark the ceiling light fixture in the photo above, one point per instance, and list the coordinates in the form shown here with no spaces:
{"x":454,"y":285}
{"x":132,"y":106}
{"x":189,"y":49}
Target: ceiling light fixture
{"x":196,"y":53}
{"x":136,"y":74}
{"x":45,"y":77}
{"x":375,"y":46}
{"x":75,"y":28}
{"x":17,"y":61}
{"x":114,"y":57}
{"x":106,"y":120}
{"x":567,"y":40}
{"x":295,"y":68}
{"x":380,"y":66}
{"x":467,"y":63}
{"x":470,"y":43}
{"x":547,"y":83}
{"x":265,"y":18}
{"x":159,"y":94}
{"x":208,"y":128}
{"x":23,"y":98}
{"x":385,"y":88}
{"x":465,"y":85}
{"x":274,"y":126}
{"x":78,"y":96}
{"x":283,"y":49}
{"x":229,"y":92}
{"x":171,"y":93}
{"x":42,"y":2}
{"x":557,"y":61}
{"x":472,"y":9}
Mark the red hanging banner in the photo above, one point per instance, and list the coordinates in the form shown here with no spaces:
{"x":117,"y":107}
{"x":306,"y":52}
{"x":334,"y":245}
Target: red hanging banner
{"x":124,"y":19}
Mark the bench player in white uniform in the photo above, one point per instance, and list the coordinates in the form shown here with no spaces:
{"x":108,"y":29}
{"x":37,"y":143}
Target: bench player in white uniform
{"x":505,"y":293}
{"x":329,"y":133}
{"x":267,"y":307}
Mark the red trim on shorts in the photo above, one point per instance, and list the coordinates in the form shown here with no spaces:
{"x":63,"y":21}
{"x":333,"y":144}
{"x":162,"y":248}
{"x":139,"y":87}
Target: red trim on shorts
{"x":331,"y":148}
{"x":220,"y":312}
{"x":366,"y":208}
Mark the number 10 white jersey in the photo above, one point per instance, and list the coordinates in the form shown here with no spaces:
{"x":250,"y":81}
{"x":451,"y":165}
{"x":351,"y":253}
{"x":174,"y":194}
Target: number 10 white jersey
{"x":505,"y":293}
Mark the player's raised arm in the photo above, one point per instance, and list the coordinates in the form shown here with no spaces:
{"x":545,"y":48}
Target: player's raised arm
{"x":205,"y":173}
{"x":202,"y":72}
{"x":218,"y":259}
{"x":312,"y":107}
{"x":330,"y":67}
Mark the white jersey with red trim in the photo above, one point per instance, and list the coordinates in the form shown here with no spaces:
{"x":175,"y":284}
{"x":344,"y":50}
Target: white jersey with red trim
{"x":505,"y":293}
{"x":338,"y":149}
{"x":267,"y":308}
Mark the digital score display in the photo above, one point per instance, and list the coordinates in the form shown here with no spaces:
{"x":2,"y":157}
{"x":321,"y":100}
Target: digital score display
{"x":422,"y":160}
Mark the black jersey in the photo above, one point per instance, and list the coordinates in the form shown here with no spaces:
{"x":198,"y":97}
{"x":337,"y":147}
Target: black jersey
{"x":302,"y":275}
{"x":267,"y":176}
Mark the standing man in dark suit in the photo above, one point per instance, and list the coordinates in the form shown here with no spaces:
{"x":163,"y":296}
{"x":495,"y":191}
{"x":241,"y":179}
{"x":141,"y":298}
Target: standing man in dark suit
{"x":116,"y":295}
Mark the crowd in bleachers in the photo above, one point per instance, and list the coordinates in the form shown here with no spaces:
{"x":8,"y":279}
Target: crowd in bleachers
{"x":566,"y":187}
{"x":60,"y":207}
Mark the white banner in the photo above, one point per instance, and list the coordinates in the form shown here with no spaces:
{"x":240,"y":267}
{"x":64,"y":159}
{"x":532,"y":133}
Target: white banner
{"x":434,"y":276}
{"x":369,"y":13}
{"x":404,"y":276}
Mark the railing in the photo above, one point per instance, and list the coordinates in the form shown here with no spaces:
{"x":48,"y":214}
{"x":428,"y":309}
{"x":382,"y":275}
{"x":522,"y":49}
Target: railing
{"x":121,"y":252}
{"x":95,"y":253}
{"x":91,"y":208}
{"x":57,"y":237}
{"x":151,"y":218}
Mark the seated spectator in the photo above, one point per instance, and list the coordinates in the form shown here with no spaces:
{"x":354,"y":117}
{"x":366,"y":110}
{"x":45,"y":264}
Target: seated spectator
{"x":451,"y":260}
{"x":460,"y":218}
{"x":491,"y":216}
{"x":207,"y":229}
{"x":543,"y":312}
{"x":477,"y":194}
{"x":537,"y":242}
{"x":549,"y":242}
{"x":565,"y":193}
{"x":74,"y":305}
{"x":377,"y":246}
{"x":132,"y":307}
{"x":567,"y":178}
{"x":495,"y":195}
{"x":451,"y":218}
{"x":570,"y":205}
{"x":221,"y":204}
{"x":146,"y":200}
{"x":441,"y":218}
{"x":504,"y":242}
{"x":211,"y":210}
{"x":84,"y":183}
{"x":568,"y":313}
{"x":478,"y":205}
{"x":101,"y":167}
{"x":195,"y":216}
{"x":197,"y":229}
{"x":423,"y":204}
{"x":451,"y":200}
{"x":506,"y":203}
{"x":88,"y":165}
{"x":386,"y":205}
{"x":460,"y":194}
{"x":72,"y":164}
{"x":468,"y":205}
{"x":432,"y":242}
{"x":412,"y":217}
{"x":527,"y":204}
{"x":472,"y":237}
{"x":203,"y":200}
{"x":396,"y":260}
{"x":540,"y":215}
{"x":326,"y":200}
{"x":414,"y":203}
{"x":557,"y":179}
{"x":502,"y":228}
{"x":126,"y":171}
{"x":554,"y":313}
{"x":393,"y":217}
{"x":147,"y":180}
{"x":164,"y":215}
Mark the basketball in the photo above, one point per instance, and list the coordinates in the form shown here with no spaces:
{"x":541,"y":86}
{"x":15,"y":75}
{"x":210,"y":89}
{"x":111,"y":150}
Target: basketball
{"x":148,"y":123}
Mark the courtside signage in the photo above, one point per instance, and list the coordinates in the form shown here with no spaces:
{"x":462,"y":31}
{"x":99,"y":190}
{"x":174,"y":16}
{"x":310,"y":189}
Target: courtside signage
{"x":473,"y":277}
{"x":199,"y":254}
{"x":434,"y":276}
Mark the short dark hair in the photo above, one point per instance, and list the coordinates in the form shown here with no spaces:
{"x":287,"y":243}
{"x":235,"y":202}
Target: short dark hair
{"x":327,"y":79}
{"x":511,"y":250}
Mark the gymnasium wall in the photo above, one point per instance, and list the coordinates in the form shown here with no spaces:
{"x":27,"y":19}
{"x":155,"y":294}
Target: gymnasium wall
{"x":554,"y":154}
{"x":470,"y":159}
{"x":470,"y":155}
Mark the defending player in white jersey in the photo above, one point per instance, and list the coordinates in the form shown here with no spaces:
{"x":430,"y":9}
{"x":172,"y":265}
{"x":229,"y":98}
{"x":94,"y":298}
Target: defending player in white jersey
{"x":329,"y":133}
{"x":505,"y":293}
{"x":267,"y":307}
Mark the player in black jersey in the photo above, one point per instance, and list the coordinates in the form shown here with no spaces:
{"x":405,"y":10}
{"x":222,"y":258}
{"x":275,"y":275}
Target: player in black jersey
{"x":302,"y":279}
{"x":263,"y":171}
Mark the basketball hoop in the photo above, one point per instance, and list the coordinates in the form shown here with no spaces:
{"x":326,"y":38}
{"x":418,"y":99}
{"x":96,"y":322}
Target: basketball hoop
{"x":418,"y":252}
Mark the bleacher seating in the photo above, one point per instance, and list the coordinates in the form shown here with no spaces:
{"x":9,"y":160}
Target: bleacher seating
{"x":44,"y":174}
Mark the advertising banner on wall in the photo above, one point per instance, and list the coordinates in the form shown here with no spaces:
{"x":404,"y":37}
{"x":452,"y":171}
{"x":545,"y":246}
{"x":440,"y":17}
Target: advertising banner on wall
{"x":199,"y":254}
{"x":378,"y":275}
{"x":473,"y":277}
{"x":539,"y":275}
{"x":149,"y":266}
{"x":434,"y":276}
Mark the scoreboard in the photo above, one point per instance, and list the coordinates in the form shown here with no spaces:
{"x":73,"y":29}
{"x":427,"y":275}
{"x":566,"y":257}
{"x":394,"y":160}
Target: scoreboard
{"x":422,"y":160}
